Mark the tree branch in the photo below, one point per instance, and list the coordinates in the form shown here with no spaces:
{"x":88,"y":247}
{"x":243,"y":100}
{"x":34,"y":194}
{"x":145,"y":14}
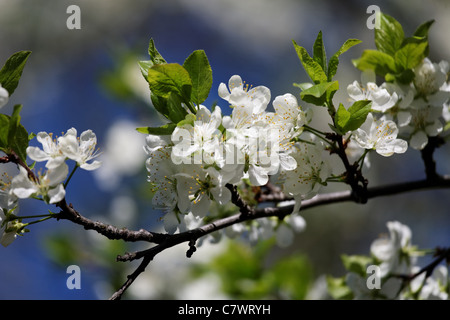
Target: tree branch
{"x":165,"y":241}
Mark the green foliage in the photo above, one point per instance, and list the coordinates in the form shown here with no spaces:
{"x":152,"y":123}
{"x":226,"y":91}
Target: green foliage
{"x":243,"y":275}
{"x":320,"y":93}
{"x":396,"y":56}
{"x":13,"y":136}
{"x":353,"y":118}
{"x":338,"y":289}
{"x":12,"y":71}
{"x":176,"y":89}
{"x":356,"y":263}
{"x":200,"y":72}
{"x":320,"y":72}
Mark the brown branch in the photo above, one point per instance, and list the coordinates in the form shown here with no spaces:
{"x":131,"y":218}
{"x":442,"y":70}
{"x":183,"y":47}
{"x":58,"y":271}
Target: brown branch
{"x":113,"y":233}
{"x":280,"y":212}
{"x":165,"y":241}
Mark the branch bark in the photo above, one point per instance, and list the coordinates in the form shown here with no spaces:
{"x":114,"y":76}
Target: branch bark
{"x":165,"y":241}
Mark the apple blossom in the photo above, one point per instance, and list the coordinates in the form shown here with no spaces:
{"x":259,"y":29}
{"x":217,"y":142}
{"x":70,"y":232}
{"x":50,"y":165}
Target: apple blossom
{"x":49,"y":185}
{"x":82,"y":149}
{"x":381,"y":136}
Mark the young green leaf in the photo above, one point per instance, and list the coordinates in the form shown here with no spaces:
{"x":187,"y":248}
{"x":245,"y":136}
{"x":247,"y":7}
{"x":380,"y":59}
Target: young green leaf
{"x":422,"y":30}
{"x":351,"y":119}
{"x":312,"y":67}
{"x":155,"y":59}
{"x":389,"y":37}
{"x":380,"y":62}
{"x":319,"y":54}
{"x":200,"y":71}
{"x":4,"y":128}
{"x":319,"y":93}
{"x":165,"y":79}
{"x":356,"y":263}
{"x":12,"y":71}
{"x":334,"y":60}
{"x":155,"y":56}
{"x":17,"y":134}
{"x":410,"y":55}
{"x":166,"y":129}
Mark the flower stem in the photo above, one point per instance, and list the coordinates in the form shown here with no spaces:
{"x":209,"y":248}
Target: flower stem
{"x":70,"y":177}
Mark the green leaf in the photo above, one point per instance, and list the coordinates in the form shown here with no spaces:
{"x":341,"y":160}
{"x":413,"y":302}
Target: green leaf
{"x":155,"y":59}
{"x":389,"y":37}
{"x":319,"y":93}
{"x":319,"y":53}
{"x":422,"y":30}
{"x":166,"y":129}
{"x":12,"y":71}
{"x":410,"y":55}
{"x":377,"y":61}
{"x":18,"y":137}
{"x":165,"y":79}
{"x":312,"y":68}
{"x":334,"y":60}
{"x":338,"y":289}
{"x":4,"y":128}
{"x":200,"y":72}
{"x":175,"y":109}
{"x":353,"y":118}
{"x":356,"y":263}
{"x":144,"y":66}
{"x":155,"y":56}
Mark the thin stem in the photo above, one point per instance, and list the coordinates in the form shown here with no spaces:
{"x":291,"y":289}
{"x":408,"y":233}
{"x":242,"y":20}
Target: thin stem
{"x":71,"y":174}
{"x":38,"y":221}
{"x":319,"y":134}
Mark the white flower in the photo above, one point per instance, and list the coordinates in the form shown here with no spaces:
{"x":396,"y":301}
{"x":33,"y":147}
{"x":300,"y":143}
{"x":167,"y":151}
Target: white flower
{"x":381,"y":99}
{"x":432,"y":287}
{"x":431,"y":81}
{"x":80,"y":150}
{"x":8,"y":203}
{"x":50,"y":152}
{"x":4,"y":96}
{"x":381,"y":136}
{"x":197,"y":187}
{"x":195,"y":143}
{"x":393,"y":252}
{"x":425,"y":122}
{"x":49,"y":185}
{"x":309,"y":176}
{"x":288,"y":114}
{"x":241,"y":96}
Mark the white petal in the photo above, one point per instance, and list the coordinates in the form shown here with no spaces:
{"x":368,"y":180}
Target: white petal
{"x":170,"y":222}
{"x":7,"y":237}
{"x":257,"y":175}
{"x":200,"y":208}
{"x":418,"y":140}
{"x":4,"y":96}
{"x":355,"y":92}
{"x":91,"y":166}
{"x":37,"y":154}
{"x":53,"y":163}
{"x":57,"y":175}
{"x":57,"y":194}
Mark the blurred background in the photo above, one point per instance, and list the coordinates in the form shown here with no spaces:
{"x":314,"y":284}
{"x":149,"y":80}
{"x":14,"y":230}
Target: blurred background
{"x":89,"y":79}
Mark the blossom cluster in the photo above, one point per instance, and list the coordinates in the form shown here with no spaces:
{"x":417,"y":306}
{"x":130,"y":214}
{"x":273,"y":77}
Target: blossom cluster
{"x":50,"y":184}
{"x":412,"y":112}
{"x":396,"y":256}
{"x":192,"y":167}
